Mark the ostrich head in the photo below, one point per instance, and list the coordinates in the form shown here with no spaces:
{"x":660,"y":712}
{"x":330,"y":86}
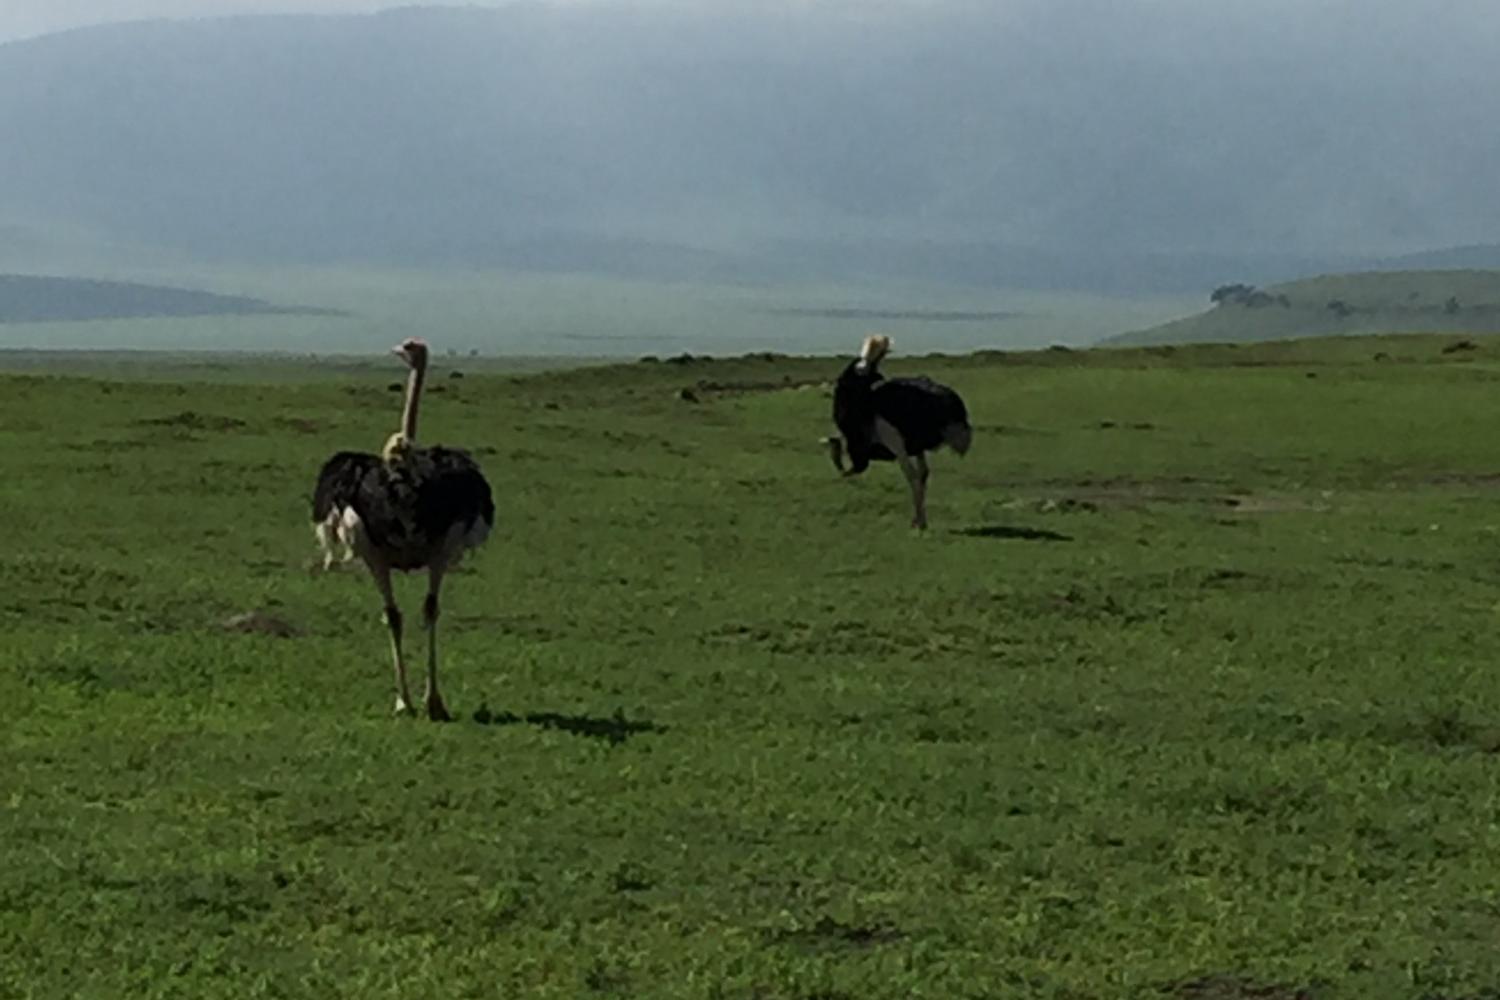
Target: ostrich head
{"x":875,"y":347}
{"x":413,"y":351}
{"x":397,"y":449}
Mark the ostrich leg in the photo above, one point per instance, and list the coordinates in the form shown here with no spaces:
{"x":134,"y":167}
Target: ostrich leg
{"x":382,"y":574}
{"x":835,"y":446}
{"x":913,"y":467}
{"x":436,"y":710}
{"x":914,"y":478}
{"x":919,"y":489}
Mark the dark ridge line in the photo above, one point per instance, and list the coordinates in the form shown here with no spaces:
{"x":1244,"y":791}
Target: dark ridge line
{"x":860,"y":313}
{"x":52,"y":299}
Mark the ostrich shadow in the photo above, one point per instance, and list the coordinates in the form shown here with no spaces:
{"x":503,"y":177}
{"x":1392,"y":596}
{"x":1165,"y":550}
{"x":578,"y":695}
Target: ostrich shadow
{"x":614,"y":729}
{"x":1012,"y":532}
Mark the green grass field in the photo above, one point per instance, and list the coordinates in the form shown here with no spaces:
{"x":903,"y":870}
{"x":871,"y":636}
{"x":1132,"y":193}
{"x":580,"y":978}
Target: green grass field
{"x":1191,"y":691}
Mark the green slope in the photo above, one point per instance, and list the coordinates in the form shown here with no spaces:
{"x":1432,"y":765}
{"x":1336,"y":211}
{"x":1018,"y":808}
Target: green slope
{"x":1466,"y":301}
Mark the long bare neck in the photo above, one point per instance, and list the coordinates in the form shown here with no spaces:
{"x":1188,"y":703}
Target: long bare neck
{"x":413,"y":401}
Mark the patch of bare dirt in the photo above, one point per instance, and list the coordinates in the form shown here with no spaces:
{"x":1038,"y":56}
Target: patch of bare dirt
{"x":1128,"y":494}
{"x":1476,"y":480}
{"x":1271,"y":504}
{"x":1066,"y":505}
{"x":107,"y":446}
{"x":741,"y":387}
{"x":300,"y":425}
{"x":1121,"y":493}
{"x":260,"y":623}
{"x":1140,"y":425}
{"x":191,"y":420}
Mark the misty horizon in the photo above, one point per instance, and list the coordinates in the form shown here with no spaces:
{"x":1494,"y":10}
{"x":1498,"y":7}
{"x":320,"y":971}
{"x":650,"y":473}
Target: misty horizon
{"x":1159,"y":148}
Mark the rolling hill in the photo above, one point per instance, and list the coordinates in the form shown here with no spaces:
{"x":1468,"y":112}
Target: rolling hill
{"x":1455,"y":301}
{"x":42,"y":299}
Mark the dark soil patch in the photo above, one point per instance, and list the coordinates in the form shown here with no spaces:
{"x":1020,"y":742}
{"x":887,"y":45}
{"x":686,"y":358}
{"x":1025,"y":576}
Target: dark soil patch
{"x":300,"y":425}
{"x":1235,"y":988}
{"x":1473,"y":480}
{"x":1269,"y":504}
{"x":260,"y":623}
{"x":1224,"y":577}
{"x":1449,"y":730}
{"x":740,"y":387}
{"x":828,"y":932}
{"x":191,"y":420}
{"x":1089,"y":496}
{"x":1121,"y":493}
{"x":1066,"y":505}
{"x":108,"y":446}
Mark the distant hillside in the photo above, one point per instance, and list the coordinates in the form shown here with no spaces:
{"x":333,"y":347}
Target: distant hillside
{"x":1465,"y":301}
{"x":1001,"y":145}
{"x":34,"y":299}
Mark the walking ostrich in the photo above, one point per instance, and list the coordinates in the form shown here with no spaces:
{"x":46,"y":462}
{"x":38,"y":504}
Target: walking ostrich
{"x":408,"y":508}
{"x":897,"y":419}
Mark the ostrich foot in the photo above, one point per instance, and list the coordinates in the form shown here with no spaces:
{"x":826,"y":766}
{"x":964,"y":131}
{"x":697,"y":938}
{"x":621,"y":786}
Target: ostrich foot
{"x":835,"y":446}
{"x":403,"y":706}
{"x":436,"y":710}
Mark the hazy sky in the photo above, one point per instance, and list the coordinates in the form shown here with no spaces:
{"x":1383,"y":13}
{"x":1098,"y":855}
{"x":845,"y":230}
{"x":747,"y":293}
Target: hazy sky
{"x":22,"y":18}
{"x":1270,"y":127}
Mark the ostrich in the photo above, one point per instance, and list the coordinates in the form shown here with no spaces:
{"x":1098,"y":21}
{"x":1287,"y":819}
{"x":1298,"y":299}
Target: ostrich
{"x":408,"y":508}
{"x":898,"y":419}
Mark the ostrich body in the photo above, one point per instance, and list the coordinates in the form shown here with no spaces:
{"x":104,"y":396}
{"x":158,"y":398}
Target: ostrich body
{"x":408,"y":508}
{"x":894,"y":420}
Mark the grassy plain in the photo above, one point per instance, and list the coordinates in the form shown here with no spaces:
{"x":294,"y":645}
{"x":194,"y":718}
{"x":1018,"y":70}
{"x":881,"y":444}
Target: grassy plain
{"x":1190,"y":692}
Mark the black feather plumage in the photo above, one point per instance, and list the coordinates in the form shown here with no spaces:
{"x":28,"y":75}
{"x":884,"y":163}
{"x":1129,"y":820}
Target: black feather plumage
{"x":925,"y":413}
{"x":338,"y":481}
{"x":408,"y":507}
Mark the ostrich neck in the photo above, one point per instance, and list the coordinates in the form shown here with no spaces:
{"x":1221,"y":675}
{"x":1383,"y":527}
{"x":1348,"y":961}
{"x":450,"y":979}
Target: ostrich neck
{"x":413,"y":401}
